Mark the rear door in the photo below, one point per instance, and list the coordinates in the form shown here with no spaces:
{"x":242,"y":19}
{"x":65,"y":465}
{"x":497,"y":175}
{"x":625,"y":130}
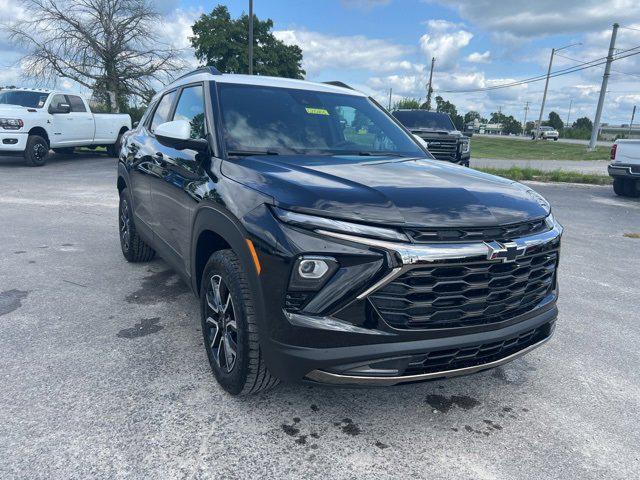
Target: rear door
{"x":177,"y":174}
{"x":82,"y":125}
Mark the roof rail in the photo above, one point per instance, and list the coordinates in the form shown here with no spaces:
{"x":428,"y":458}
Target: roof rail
{"x":208,"y":69}
{"x":338,"y":83}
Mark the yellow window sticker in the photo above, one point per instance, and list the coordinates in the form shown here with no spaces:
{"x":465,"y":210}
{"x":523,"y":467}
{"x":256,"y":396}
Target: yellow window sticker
{"x":316,"y":111}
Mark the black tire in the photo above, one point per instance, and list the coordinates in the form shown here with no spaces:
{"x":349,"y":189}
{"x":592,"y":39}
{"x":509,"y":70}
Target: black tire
{"x":133,"y":247}
{"x":36,"y":151}
{"x":233,"y":322}
{"x":555,"y":139}
{"x":630,"y":188}
{"x":618,"y":186}
{"x":64,"y":151}
{"x":114,"y":150}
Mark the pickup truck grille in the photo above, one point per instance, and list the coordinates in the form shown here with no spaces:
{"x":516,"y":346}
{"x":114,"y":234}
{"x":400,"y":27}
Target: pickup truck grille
{"x":459,"y":294}
{"x":442,"y":148}
{"x":486,"y":234}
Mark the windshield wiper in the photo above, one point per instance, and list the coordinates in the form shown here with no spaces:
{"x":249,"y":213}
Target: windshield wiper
{"x":249,"y":153}
{"x":380,"y":154}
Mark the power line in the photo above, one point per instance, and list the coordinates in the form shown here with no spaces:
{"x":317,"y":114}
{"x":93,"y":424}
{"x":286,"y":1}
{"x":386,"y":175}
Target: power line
{"x":557,"y":73}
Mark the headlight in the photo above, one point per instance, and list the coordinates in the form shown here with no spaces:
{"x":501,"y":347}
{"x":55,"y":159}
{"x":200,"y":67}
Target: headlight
{"x":321,"y":223}
{"x":11,"y":123}
{"x":540,"y":199}
{"x":465,"y":146}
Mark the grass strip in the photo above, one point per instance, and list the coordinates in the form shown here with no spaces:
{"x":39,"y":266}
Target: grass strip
{"x":520,"y":173}
{"x":510,"y":149}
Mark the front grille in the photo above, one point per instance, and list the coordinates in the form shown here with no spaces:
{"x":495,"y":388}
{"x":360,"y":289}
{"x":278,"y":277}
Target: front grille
{"x":442,"y":149}
{"x":458,"y":294}
{"x":484,"y":234}
{"x":464,"y":357}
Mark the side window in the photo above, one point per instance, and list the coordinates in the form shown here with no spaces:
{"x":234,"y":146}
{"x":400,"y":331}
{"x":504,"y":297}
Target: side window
{"x":161,"y":114}
{"x":76,"y":103}
{"x":57,"y":100}
{"x":191,"y":108}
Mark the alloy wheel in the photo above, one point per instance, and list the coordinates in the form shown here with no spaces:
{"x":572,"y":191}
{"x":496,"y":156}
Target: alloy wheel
{"x":221,"y":326}
{"x":125,"y":225}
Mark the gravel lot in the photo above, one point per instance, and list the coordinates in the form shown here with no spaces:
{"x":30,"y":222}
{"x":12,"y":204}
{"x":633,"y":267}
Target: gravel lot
{"x":103,"y":373}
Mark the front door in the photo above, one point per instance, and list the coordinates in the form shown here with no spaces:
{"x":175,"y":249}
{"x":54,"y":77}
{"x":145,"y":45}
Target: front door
{"x":81,"y":121}
{"x":178,"y":173}
{"x":60,"y":128}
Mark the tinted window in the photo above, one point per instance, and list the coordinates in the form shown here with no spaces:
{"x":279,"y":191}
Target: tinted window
{"x":161,"y":114}
{"x":191,"y":108}
{"x":24,"y":99}
{"x":76,"y":103}
{"x":57,"y":100}
{"x":424,"y":119}
{"x":285,"y":120}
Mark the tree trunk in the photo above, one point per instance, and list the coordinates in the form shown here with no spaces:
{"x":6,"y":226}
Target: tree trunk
{"x":113,"y":102}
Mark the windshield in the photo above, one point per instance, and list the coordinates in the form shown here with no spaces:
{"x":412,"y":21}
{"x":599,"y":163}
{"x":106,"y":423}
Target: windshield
{"x":23,"y":98}
{"x":424,"y":119}
{"x":283,"y":120}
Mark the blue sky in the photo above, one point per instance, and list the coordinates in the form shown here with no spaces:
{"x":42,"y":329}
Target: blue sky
{"x":380,"y":44}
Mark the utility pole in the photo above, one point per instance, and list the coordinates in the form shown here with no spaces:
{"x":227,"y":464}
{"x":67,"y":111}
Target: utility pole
{"x":526,"y":111}
{"x":430,"y":87}
{"x":250,"y":37}
{"x":390,"y":91}
{"x":633,"y":115}
{"x":603,"y":88}
{"x":544,"y":95}
{"x":569,"y":112}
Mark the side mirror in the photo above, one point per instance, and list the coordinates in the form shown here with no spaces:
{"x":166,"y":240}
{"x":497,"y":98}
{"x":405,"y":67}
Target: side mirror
{"x":177,"y":134}
{"x":61,"y":108}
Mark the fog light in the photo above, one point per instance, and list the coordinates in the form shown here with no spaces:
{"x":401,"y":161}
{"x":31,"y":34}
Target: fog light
{"x":311,"y":272}
{"x":311,"y":268}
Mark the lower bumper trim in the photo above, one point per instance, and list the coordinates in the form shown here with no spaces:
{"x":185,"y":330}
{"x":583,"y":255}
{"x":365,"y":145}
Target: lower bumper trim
{"x":321,"y":376}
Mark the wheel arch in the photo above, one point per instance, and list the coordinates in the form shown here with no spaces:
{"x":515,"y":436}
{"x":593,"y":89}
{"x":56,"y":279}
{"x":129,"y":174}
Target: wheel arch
{"x":41,"y":132}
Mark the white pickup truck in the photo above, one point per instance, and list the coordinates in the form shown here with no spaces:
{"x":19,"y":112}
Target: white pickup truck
{"x":34,"y":121}
{"x":625,"y":167}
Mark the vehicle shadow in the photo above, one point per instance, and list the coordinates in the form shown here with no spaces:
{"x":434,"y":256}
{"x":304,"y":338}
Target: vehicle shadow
{"x":54,"y":158}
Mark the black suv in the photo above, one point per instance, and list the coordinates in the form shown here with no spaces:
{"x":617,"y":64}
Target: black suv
{"x":437,"y":130}
{"x":323,"y":241}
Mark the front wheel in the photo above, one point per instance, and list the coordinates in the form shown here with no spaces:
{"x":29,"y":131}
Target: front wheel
{"x":36,"y":152}
{"x":229,"y":327}
{"x":134,"y":249}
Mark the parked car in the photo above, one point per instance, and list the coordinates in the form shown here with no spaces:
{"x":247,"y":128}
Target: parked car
{"x":438,"y":131}
{"x":625,"y":167}
{"x":325,"y":244}
{"x":546,"y":133}
{"x":34,"y":121}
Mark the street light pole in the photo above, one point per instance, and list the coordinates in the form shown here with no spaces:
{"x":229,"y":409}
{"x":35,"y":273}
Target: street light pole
{"x":546,"y":85}
{"x":250,"y":37}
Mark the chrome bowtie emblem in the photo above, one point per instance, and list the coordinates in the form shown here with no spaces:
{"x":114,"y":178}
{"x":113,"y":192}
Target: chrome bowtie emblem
{"x":507,"y":252}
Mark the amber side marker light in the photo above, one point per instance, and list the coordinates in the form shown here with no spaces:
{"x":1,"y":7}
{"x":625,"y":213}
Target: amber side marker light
{"x":254,"y":255}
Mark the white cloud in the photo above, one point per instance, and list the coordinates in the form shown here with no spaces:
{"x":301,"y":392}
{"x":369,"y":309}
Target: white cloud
{"x":347,"y":53}
{"x":444,"y":40}
{"x":477,"y":57}
{"x":524,"y":18}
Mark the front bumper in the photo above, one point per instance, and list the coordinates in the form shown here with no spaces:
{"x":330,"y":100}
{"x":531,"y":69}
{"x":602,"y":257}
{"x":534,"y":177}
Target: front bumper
{"x":12,"y":142}
{"x":327,"y":345}
{"x":624,"y":170}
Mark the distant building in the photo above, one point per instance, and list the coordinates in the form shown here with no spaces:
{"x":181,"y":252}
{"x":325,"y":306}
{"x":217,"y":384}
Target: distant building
{"x":487,"y":128}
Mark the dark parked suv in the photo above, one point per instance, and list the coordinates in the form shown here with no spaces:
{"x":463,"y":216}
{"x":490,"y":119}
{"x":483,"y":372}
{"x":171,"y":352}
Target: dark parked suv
{"x":323,"y":241}
{"x":438,"y":132}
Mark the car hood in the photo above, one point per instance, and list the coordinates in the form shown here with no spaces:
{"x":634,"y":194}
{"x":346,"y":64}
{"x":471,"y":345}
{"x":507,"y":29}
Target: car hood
{"x":387,"y":190}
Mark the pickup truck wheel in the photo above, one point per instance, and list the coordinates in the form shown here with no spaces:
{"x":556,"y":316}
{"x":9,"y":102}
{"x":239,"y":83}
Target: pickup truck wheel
{"x":229,"y":327}
{"x":555,"y":139}
{"x":133,"y":247}
{"x":618,"y":186}
{"x":35,"y":154}
{"x":630,"y":188}
{"x":114,"y":150}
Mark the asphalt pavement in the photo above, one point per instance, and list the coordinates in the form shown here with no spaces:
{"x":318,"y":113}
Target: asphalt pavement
{"x":103,"y":373}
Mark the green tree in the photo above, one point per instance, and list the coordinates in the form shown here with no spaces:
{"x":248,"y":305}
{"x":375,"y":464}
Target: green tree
{"x":583,"y":123}
{"x":529,"y":127}
{"x":555,"y":121}
{"x":407,"y":104}
{"x":471,"y":116}
{"x":509,"y":124}
{"x":445,"y":106}
{"x":221,"y":41}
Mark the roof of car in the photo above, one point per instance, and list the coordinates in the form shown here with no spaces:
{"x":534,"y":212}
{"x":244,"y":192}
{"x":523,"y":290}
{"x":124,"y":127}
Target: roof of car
{"x":262,"y":80}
